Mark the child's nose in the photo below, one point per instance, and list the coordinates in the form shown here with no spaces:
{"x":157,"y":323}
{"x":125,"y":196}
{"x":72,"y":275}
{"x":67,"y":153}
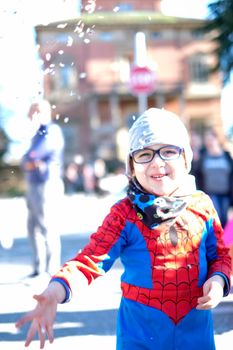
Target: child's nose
{"x":157,"y":159}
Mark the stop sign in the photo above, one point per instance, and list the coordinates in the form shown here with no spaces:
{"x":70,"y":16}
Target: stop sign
{"x":142,"y":80}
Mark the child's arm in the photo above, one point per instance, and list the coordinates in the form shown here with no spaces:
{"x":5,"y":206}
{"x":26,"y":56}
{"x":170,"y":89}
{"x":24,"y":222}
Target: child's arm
{"x":93,"y":261}
{"x":43,"y":316}
{"x":212,"y":293}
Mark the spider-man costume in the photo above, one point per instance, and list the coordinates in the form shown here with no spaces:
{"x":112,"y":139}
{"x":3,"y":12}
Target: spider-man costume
{"x":163,"y":277}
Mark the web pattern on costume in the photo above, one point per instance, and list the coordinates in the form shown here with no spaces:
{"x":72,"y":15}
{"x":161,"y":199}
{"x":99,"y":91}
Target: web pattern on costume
{"x":175,"y":273}
{"x":174,"y":267}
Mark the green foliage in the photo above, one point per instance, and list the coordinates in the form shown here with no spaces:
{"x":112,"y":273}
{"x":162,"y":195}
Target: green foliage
{"x":4,"y":141}
{"x":220,"y":24}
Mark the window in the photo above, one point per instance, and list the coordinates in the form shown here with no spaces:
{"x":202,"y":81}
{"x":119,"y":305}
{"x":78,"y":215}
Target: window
{"x":106,"y":36}
{"x":64,"y":74}
{"x":198,"y":68}
{"x":156,"y":36}
{"x":125,"y":7}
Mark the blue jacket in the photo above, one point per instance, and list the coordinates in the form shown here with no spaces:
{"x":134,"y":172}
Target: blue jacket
{"x":44,"y":159}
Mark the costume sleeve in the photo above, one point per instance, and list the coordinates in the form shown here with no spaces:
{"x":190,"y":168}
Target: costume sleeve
{"x":219,"y":260}
{"x":100,"y":253}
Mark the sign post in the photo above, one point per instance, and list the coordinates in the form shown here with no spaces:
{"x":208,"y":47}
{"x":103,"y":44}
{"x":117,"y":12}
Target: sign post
{"x":142,"y":79}
{"x":142,"y":83}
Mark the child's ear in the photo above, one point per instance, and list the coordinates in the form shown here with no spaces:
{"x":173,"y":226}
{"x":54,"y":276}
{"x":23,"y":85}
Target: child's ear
{"x":131,"y":166}
{"x":185,"y":161}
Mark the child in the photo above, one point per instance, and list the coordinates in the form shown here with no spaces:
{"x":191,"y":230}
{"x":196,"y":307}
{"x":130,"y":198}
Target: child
{"x":169,"y":239}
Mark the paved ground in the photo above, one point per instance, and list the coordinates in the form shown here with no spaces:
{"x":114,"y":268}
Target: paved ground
{"x":89,"y":320}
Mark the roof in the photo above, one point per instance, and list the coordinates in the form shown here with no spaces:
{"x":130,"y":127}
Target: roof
{"x":133,"y":20}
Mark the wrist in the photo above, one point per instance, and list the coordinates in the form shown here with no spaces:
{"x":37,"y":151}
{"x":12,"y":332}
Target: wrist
{"x":219,"y":279}
{"x":56,"y":291}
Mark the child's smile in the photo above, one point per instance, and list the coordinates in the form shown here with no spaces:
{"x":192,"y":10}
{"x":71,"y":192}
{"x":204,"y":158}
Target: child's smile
{"x":160,"y":177}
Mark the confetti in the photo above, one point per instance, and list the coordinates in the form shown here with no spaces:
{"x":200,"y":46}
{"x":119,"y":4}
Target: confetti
{"x":82,"y":75}
{"x":70,"y":41}
{"x":61,"y":25}
{"x":90,"y":7}
{"x":48,"y":56}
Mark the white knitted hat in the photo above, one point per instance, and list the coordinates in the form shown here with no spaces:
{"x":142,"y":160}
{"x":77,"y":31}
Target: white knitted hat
{"x":158,"y":126}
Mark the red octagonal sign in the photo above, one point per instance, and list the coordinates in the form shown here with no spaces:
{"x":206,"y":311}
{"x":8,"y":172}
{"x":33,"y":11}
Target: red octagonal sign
{"x":142,"y":80}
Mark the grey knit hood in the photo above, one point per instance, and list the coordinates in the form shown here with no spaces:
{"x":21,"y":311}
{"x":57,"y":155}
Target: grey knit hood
{"x":158,"y":126}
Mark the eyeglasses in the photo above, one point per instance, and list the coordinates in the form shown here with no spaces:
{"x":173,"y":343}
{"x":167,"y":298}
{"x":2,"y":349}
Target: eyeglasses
{"x":166,"y":153}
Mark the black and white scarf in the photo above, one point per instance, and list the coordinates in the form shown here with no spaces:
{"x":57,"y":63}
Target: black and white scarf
{"x":154,"y":210}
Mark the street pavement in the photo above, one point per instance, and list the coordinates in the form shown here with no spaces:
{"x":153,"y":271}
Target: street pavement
{"x":89,"y":319}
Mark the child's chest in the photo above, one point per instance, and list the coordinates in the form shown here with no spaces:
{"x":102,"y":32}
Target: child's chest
{"x":177,"y":241}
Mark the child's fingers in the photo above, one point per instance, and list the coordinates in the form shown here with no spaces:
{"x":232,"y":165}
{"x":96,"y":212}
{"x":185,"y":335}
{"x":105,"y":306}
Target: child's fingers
{"x":39,"y":297}
{"x":208,"y":302}
{"x":31,"y":333}
{"x":203,"y":299}
{"x":42,"y":336}
{"x":28,"y":317}
{"x":49,"y":330}
{"x":203,"y":303}
{"x":24,"y":319}
{"x":205,"y":306}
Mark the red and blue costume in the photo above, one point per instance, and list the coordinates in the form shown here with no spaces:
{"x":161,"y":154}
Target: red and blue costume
{"x":164,"y":271}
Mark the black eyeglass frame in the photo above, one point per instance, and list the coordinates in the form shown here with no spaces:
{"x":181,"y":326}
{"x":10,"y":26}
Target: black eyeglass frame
{"x":157,"y":151}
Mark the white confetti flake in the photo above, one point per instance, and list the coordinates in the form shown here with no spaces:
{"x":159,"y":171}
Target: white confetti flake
{"x":48,"y":56}
{"x":70,"y":41}
{"x":61,"y":25}
{"x":90,"y":7}
{"x":82,"y":75}
{"x":79,"y":28}
{"x":46,"y":71}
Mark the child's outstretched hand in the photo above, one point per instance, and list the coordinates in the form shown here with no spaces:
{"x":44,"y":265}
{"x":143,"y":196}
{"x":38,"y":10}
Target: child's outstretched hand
{"x":43,"y":316}
{"x":212,"y":293}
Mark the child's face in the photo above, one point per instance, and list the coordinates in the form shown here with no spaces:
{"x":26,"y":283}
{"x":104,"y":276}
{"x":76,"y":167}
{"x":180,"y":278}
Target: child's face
{"x":160,"y":177}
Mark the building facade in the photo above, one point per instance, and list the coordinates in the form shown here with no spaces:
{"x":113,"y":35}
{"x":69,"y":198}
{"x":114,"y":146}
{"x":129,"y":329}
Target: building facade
{"x":87,"y":72}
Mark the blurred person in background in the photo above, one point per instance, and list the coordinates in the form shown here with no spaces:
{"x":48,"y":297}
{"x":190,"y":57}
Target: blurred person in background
{"x":197,"y":146}
{"x":100,"y":172}
{"x":73,"y":175}
{"x":89,"y":182}
{"x":215,"y":174}
{"x":43,"y":168}
{"x":71,"y":178}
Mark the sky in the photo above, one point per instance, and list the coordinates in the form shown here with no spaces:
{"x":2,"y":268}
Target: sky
{"x":185,"y":8}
